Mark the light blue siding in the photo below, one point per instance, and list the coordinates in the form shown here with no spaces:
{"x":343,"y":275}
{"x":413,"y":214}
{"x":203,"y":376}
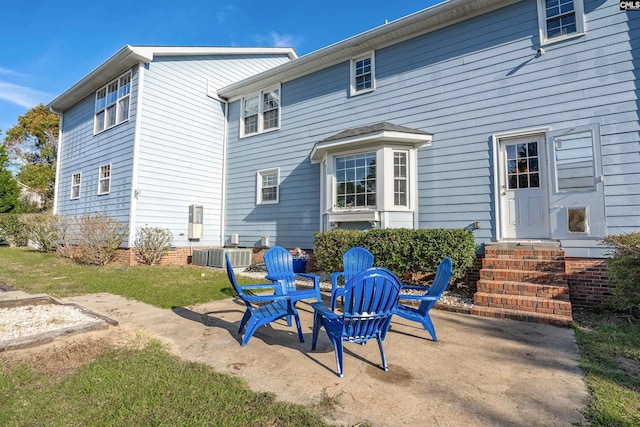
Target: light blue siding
{"x":83,"y":152}
{"x":181,"y":140}
{"x":464,"y":83}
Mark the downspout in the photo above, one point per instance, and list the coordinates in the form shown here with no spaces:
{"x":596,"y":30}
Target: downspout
{"x":223,"y":203}
{"x":136,"y":158}
{"x":58,"y":151}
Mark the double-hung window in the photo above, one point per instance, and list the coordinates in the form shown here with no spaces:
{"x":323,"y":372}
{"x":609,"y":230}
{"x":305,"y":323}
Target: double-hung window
{"x":400,"y":177}
{"x":560,"y":19}
{"x":363,"y":74}
{"x":268,"y":185}
{"x":104,"y":179}
{"x":76,"y":179}
{"x":261,"y":112}
{"x":112,"y":103}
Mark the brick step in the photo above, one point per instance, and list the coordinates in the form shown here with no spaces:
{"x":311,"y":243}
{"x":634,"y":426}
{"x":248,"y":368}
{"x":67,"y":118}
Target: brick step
{"x":523,"y":303}
{"x":523,"y":254}
{"x":556,"y":265}
{"x":538,"y":277}
{"x":524,"y":289}
{"x":523,"y":316}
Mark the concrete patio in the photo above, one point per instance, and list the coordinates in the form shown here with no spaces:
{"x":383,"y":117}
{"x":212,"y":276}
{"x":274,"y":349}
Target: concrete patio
{"x":481,"y":372}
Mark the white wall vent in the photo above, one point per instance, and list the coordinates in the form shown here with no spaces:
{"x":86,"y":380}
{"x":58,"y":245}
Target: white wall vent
{"x":238,"y":257}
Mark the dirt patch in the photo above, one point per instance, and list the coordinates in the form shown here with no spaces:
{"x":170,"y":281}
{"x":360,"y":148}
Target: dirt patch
{"x":63,"y":356}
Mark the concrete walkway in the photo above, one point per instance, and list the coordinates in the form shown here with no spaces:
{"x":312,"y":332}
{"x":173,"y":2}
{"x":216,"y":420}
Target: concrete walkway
{"x":481,"y":372}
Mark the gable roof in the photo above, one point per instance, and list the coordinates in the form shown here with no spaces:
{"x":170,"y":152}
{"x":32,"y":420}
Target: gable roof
{"x":421,"y":22}
{"x":129,"y":56}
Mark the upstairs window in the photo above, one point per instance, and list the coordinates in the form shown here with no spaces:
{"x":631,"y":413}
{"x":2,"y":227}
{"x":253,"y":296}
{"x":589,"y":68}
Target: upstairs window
{"x":363,"y":74}
{"x":104,"y":179}
{"x":559,"y":19}
{"x":112,"y":103}
{"x":76,"y":179}
{"x":261,"y":112}
{"x":268,"y":186}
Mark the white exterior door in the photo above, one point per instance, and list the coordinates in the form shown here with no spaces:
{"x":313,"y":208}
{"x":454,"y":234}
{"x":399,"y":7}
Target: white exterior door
{"x":524,"y":204}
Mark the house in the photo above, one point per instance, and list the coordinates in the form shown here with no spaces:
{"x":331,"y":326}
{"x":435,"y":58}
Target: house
{"x":517,"y":119}
{"x":141,"y":138}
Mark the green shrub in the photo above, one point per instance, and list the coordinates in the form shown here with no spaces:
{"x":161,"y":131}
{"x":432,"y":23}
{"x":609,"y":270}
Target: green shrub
{"x":152,"y":244}
{"x":12,"y":230}
{"x":399,"y":249}
{"x":624,"y":271}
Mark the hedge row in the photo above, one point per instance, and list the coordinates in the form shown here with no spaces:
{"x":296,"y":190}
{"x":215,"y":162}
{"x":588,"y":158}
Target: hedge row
{"x":399,"y":249}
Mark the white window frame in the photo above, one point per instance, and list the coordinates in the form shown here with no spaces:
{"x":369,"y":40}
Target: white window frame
{"x":75,"y":185}
{"x":261,"y":110}
{"x":406,"y":178}
{"x":104,"y":178}
{"x":259,"y":187}
{"x":354,"y":75}
{"x":101,"y":108}
{"x":385,"y":179}
{"x":578,"y":10}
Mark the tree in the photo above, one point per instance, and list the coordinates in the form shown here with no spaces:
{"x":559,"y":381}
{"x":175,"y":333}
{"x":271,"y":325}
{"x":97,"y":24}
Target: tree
{"x":9,"y":189}
{"x":32,"y":144}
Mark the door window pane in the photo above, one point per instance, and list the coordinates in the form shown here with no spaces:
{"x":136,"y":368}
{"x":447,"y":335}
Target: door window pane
{"x":522,"y":165}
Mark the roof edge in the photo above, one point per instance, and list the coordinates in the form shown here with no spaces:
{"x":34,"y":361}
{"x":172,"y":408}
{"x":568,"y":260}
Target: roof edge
{"x":129,"y":55}
{"x":420,"y":22}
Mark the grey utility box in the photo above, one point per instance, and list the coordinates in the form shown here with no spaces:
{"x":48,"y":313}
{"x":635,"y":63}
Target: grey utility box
{"x":238,"y":257}
{"x":200,"y":257}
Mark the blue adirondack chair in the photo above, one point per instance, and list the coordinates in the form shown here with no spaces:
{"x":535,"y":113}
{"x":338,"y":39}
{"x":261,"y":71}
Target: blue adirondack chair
{"x":267,"y":307}
{"x":354,"y":261}
{"x":369,"y":299}
{"x":427,"y":300}
{"x":279,"y":263}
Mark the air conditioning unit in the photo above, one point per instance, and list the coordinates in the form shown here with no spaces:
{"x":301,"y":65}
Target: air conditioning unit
{"x":238,"y":257}
{"x":200,"y":257}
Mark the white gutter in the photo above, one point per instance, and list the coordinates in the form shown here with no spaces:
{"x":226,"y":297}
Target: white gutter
{"x":58,"y":154}
{"x":136,"y":158}
{"x":223,"y":204}
{"x":421,"y":22}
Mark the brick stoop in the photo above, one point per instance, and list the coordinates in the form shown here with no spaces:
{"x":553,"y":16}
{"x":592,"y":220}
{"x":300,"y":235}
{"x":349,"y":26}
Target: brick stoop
{"x":524,"y":281}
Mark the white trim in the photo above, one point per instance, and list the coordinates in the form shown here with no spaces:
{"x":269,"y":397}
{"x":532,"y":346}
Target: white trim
{"x":79,"y":185}
{"x":412,"y":140}
{"x":58,"y":160}
{"x":352,"y":74}
{"x":260,"y":113}
{"x":133,"y":206}
{"x":223,"y":201}
{"x":578,"y":8}
{"x":130,"y":56}
{"x":495,"y":142}
{"x":117,"y":112}
{"x":259,"y":175}
{"x":100,"y":179}
{"x":424,"y":21}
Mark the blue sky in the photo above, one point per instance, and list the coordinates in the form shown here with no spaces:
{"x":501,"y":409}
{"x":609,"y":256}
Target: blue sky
{"x":46,"y":46}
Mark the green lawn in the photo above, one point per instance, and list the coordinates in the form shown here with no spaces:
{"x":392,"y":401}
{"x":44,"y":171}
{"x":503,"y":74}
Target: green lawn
{"x":132,"y":386}
{"x":610,"y":357}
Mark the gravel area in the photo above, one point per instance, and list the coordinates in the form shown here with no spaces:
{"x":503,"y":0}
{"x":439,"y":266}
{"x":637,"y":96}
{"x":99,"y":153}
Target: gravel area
{"x":28,"y":320}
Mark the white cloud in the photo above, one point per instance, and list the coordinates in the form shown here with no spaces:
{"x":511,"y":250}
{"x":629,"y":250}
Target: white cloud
{"x":21,"y":95}
{"x":275,"y":39}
